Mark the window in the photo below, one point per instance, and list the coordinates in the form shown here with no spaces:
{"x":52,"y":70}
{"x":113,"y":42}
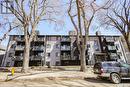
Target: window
{"x":88,"y":45}
{"x":48,"y":46}
{"x":96,"y":45}
{"x":111,"y":65}
{"x":48,"y":54}
{"x":57,"y":54}
{"x":125,"y":65}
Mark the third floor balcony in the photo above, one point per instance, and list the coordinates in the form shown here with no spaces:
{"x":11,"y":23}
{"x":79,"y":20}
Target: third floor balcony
{"x":19,"y":38}
{"x":65,"y":39}
{"x":39,"y":39}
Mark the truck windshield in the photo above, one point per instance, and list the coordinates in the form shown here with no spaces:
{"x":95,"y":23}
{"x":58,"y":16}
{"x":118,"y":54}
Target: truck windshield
{"x":125,"y":65}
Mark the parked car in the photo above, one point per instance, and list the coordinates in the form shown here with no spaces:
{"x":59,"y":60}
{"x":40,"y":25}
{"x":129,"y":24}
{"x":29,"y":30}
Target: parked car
{"x":115,"y":71}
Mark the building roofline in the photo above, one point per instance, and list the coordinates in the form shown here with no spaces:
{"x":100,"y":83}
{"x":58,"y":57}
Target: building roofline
{"x":69,"y":35}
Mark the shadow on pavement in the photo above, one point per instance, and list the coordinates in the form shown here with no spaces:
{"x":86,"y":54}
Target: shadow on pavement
{"x":30,"y":74}
{"x":125,"y":81}
{"x":96,"y":80}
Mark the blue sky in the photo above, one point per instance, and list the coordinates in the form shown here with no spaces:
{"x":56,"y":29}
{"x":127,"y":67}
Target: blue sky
{"x":50,"y":29}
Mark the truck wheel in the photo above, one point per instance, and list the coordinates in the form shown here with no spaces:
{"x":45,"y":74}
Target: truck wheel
{"x":115,"y":78}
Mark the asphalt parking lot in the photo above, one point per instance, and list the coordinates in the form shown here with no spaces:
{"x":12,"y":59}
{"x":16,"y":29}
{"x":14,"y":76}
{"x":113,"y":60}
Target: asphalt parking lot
{"x":40,"y":79}
{"x":88,"y":82}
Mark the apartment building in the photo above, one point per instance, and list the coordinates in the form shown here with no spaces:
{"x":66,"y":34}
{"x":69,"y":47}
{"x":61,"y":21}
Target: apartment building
{"x":63,"y":50}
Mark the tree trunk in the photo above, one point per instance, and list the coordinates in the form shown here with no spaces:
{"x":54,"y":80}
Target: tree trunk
{"x":128,"y":44}
{"x":26,"y":52}
{"x":83,"y":60}
{"x":126,"y":37}
{"x":26,"y":57}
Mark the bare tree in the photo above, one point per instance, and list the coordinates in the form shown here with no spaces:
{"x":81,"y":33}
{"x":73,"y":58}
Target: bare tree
{"x":82,"y":21}
{"x":29,"y":13}
{"x":118,"y":16}
{"x":6,"y":27}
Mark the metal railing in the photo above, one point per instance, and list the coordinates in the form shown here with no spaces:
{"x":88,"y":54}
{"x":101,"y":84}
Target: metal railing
{"x":65,"y":57}
{"x":19,"y":39}
{"x":111,"y":47}
{"x":39,"y":39}
{"x":65,"y":39}
{"x":65,"y":47}
{"x":18,"y":57}
{"x":19,"y":48}
{"x":38,"y":48}
{"x":39,"y":57}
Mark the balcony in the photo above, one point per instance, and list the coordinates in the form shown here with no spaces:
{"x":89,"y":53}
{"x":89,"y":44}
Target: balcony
{"x":65,"y":39}
{"x":39,"y":39}
{"x":19,"y":48}
{"x":36,"y":57}
{"x":110,"y":39}
{"x":18,"y":58}
{"x":66,"y":48}
{"x":20,"y":38}
{"x":65,"y":57}
{"x":38,"y":48}
{"x":111,"y":47}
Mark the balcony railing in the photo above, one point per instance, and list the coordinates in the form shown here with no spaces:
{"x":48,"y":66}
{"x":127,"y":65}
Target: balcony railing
{"x":19,"y":39}
{"x":38,"y":48}
{"x":109,"y":39}
{"x":38,"y":57}
{"x":111,"y":47}
{"x":19,"y":48}
{"x":39,"y":39}
{"x":65,"y":47}
{"x":65,"y":57}
{"x":65,"y":39}
{"x":19,"y":58}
